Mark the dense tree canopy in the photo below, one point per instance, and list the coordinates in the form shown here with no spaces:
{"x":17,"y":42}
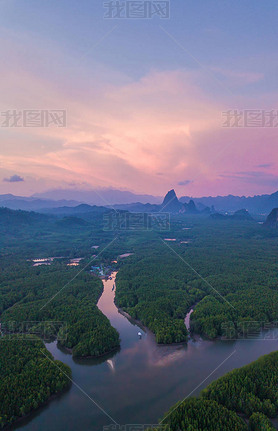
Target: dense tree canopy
{"x":228,"y":268}
{"x":28,"y":376}
{"x":250,"y":389}
{"x":202,"y":415}
{"x":259,"y":422}
{"x":243,"y":400}
{"x":72,"y":315}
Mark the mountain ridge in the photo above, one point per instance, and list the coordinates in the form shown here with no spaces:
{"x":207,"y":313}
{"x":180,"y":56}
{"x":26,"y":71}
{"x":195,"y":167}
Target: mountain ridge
{"x":258,"y":204}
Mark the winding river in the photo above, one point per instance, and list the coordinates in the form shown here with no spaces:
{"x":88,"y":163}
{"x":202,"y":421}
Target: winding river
{"x":139,"y":383}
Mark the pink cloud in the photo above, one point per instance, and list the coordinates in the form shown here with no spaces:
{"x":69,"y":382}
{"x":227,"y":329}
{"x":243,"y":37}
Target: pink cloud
{"x":123,"y":134}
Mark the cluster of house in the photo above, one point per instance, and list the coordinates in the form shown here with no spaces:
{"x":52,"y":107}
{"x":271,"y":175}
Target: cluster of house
{"x":103,"y":272}
{"x":97,"y":270}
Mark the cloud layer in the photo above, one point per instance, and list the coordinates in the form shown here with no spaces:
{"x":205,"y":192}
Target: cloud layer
{"x":142,"y":134}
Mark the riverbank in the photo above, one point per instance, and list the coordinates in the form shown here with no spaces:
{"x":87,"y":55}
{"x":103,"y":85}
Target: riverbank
{"x":152,"y":377}
{"x":30,"y":378}
{"x":219,"y":406}
{"x":42,"y":406}
{"x":134,"y":321}
{"x":145,"y":328}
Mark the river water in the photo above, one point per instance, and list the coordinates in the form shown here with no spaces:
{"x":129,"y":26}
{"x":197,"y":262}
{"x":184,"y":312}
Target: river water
{"x":139,"y":383}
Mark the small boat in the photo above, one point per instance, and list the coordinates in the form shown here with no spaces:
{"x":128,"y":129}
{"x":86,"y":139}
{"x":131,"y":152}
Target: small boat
{"x":113,"y":287}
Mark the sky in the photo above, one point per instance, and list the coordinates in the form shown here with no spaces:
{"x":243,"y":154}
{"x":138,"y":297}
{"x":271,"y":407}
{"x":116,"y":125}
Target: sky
{"x":145,"y":104}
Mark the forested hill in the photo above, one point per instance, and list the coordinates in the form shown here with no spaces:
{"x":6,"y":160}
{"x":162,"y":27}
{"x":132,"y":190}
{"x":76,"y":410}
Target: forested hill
{"x":272,"y":219}
{"x":28,"y":377}
{"x":37,"y":295}
{"x":244,"y":399}
{"x":17,"y":217}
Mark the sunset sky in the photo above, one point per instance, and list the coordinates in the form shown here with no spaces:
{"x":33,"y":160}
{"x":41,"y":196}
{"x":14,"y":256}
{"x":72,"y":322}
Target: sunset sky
{"x":144,"y":97}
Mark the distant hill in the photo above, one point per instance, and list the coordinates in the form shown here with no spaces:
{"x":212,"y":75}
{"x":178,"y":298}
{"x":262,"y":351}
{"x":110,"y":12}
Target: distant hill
{"x":124,"y":200}
{"x":73,"y":198}
{"x":272,"y":219}
{"x":32,"y":204}
{"x":10,"y":217}
{"x":272,"y":201}
{"x":100,"y":197}
{"x":242,"y":214}
{"x":136,"y":207}
{"x":191,"y":208}
{"x":71,"y":222}
{"x":260,"y":204}
{"x":77,"y":210}
{"x":218,"y":216}
{"x":171,"y":203}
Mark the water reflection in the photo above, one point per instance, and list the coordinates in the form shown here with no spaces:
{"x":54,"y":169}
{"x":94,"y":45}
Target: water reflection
{"x":111,"y":365}
{"x":138,"y":383}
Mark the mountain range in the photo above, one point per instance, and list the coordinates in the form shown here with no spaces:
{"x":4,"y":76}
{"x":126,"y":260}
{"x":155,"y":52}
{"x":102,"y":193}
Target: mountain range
{"x":260,"y":204}
{"x":83,"y":214}
{"x":127,"y":201}
{"x":100,"y":197}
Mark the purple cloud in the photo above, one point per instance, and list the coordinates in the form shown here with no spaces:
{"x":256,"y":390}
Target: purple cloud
{"x":265,"y":165}
{"x":184,"y":183}
{"x":13,"y":179}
